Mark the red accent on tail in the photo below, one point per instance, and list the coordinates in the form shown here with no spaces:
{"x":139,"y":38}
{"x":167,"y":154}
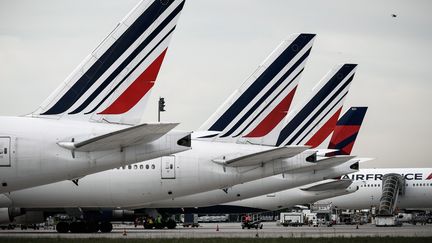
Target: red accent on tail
{"x":137,"y":89}
{"x":429,"y":177}
{"x":324,"y":131}
{"x":274,"y":117}
{"x":347,"y":149}
{"x":343,"y":132}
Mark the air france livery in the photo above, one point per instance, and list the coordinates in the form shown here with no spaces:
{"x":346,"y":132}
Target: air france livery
{"x":417,"y":192}
{"x":91,"y":123}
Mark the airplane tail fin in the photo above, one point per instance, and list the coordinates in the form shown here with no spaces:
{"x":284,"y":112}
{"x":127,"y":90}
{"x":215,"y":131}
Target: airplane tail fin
{"x":264,"y":98}
{"x":346,"y":131}
{"x":113,"y":83}
{"x":317,"y":117}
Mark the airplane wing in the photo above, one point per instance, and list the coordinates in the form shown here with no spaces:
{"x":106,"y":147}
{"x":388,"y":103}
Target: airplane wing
{"x":263,"y":156}
{"x":332,"y":185}
{"x":143,"y":133}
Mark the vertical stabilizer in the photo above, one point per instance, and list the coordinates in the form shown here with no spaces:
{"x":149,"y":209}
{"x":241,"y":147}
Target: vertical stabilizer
{"x":264,"y":98}
{"x":346,"y":131}
{"x":113,"y":83}
{"x":314,"y":121}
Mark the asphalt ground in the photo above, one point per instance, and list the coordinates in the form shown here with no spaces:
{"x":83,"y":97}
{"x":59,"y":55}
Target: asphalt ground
{"x":233,"y":230}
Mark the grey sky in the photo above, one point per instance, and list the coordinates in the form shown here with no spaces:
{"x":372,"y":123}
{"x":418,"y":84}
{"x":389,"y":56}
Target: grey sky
{"x":218,"y":43}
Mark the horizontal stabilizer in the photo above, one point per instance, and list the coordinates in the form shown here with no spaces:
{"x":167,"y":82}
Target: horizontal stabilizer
{"x":362,"y":160}
{"x":323,"y":152}
{"x":326,"y":163}
{"x":143,"y":133}
{"x":263,"y":157}
{"x":333,"y":185}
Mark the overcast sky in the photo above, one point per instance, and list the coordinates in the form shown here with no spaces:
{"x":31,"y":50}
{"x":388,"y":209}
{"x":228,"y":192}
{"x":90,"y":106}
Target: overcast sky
{"x":218,"y":43}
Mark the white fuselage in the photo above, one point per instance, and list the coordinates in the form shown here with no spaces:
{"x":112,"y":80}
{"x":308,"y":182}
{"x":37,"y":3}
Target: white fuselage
{"x":185,"y":173}
{"x":31,"y":156}
{"x":418,"y":189}
{"x":290,"y":198}
{"x":251,"y":190}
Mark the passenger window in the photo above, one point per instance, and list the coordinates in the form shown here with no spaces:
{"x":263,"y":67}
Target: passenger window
{"x":135,"y":167}
{"x":153,"y":166}
{"x":171,"y":166}
{"x":129,"y":167}
{"x":141,"y":167}
{"x":147,"y":167}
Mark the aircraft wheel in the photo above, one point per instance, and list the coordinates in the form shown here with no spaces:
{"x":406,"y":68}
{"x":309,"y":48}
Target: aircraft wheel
{"x":77,"y":227}
{"x":159,"y":226}
{"x":106,"y":227}
{"x":92,"y":227}
{"x":148,"y":226}
{"x":62,"y":227}
{"x":171,"y":224}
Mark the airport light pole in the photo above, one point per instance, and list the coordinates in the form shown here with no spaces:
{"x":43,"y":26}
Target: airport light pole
{"x":161,"y":107}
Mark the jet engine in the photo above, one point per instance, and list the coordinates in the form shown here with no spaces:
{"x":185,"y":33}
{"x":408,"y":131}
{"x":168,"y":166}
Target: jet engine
{"x":7,"y":215}
{"x":30,"y":217}
{"x":119,"y":214}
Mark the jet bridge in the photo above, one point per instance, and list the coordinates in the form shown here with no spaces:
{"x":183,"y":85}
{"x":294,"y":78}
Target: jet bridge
{"x":393,"y":185}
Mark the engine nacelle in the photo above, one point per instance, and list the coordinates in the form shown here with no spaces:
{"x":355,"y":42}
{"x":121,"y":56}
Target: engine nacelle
{"x":119,"y":214}
{"x":7,"y":215}
{"x":30,"y":217}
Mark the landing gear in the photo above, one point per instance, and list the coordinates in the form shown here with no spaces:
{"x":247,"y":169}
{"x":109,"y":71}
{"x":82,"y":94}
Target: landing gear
{"x":159,"y":223}
{"x":62,"y":227}
{"x":171,"y":224}
{"x":106,"y":227}
{"x":93,"y":227}
{"x":77,"y":227}
{"x":84,"y":227}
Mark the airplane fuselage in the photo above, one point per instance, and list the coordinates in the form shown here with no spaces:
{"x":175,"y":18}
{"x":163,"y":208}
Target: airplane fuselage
{"x":251,"y":190}
{"x":31,"y":156}
{"x":163,"y":178}
{"x":418,"y":189}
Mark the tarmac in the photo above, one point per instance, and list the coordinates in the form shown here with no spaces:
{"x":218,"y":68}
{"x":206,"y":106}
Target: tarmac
{"x":233,"y":230}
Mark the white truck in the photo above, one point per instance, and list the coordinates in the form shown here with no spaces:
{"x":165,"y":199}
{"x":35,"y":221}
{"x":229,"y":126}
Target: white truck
{"x":291,"y":219}
{"x":387,"y":221}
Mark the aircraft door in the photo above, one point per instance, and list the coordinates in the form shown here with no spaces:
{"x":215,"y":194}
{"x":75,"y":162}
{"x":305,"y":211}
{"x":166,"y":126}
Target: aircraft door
{"x":168,"y":167}
{"x":5,"y":158}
